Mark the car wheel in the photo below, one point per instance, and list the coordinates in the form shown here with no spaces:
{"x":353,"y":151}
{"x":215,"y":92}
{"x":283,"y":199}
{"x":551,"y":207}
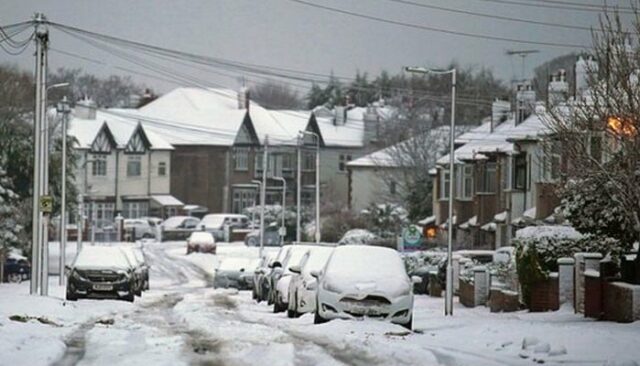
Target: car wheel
{"x":130,"y":297}
{"x":139,"y":292}
{"x":409,"y":324}
{"x":14,"y":278}
{"x":71,"y":296}
{"x":277,"y":306}
{"x":317,"y":319}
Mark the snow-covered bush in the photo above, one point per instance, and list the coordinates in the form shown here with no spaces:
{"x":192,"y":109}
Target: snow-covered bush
{"x":385,"y":220}
{"x":334,"y":226}
{"x":358,"y":236}
{"x":538,"y":249}
{"x":417,"y":259}
{"x":9,"y":228}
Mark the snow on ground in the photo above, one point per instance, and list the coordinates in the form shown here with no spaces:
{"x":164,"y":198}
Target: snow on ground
{"x":44,"y":322}
{"x":183,"y":321}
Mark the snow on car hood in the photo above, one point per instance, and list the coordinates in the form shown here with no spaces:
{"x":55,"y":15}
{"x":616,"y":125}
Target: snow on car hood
{"x":96,"y":257}
{"x":357,"y":270}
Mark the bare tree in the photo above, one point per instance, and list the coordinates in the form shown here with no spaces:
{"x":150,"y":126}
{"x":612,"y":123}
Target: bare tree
{"x":274,"y":95}
{"x":599,"y":140}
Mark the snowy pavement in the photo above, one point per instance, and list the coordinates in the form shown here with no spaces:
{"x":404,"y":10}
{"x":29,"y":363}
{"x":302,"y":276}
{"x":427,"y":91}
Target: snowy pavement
{"x":183,"y":321}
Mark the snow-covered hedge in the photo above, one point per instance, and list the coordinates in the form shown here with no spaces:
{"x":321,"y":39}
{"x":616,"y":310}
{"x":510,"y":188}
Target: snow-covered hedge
{"x":538,"y":249}
{"x":358,"y":236}
{"x":417,"y":259}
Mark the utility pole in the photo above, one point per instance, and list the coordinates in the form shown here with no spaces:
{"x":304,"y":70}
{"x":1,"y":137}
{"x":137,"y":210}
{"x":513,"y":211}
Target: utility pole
{"x":44,"y":163}
{"x":36,"y":233}
{"x":65,"y":110}
{"x":282,"y":232}
{"x":263,"y":190}
{"x":317,"y":138}
{"x":298,"y":192}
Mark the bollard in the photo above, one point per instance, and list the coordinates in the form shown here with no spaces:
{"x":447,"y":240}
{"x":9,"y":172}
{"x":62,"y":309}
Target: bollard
{"x":565,"y":281}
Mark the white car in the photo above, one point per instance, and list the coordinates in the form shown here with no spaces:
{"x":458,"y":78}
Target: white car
{"x":202,"y":242}
{"x":360,"y":280}
{"x":281,"y":289}
{"x":302,"y":287}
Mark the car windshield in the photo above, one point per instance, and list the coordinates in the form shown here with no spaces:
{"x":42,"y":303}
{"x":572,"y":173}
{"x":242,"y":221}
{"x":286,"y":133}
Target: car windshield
{"x":173,"y":222}
{"x":359,"y":263}
{"x":213,"y":221}
{"x":317,"y":259}
{"x":101,"y":257}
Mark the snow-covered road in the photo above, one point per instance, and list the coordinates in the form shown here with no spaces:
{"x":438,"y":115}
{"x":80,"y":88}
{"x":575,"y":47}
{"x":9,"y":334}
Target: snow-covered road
{"x":182,"y":320}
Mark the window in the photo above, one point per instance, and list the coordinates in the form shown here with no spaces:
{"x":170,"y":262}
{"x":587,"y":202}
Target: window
{"x":241,"y":158}
{"x":135,"y":209}
{"x":308,"y":161}
{"x":504,"y":174}
{"x":344,"y":159}
{"x":551,"y":159}
{"x":134,"y":166}
{"x":103,"y":212}
{"x":243,"y":198}
{"x":444,"y":184}
{"x":392,"y":187}
{"x":288,"y":165}
{"x":520,"y":172}
{"x":488,"y":183}
{"x":465,"y":181}
{"x":162,"y":168}
{"x":99,"y":165}
{"x":258,"y":161}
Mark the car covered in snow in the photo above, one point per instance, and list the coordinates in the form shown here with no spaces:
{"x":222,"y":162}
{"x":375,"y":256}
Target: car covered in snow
{"x":235,"y":272}
{"x":180,"y":222}
{"x":302,"y":287}
{"x":358,"y":236}
{"x":260,"y":278}
{"x":275,"y":271}
{"x":201,"y":242}
{"x":282,"y":277}
{"x":16,"y":268}
{"x":135,"y":229}
{"x":361,"y":280}
{"x":215,"y":223}
{"x":101,"y":271}
{"x":271,"y":237}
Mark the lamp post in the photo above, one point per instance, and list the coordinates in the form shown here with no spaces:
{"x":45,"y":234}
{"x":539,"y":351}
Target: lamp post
{"x":263,"y":187}
{"x":282,"y":231}
{"x":448,"y":305}
{"x":317,"y":138}
{"x":63,"y":107}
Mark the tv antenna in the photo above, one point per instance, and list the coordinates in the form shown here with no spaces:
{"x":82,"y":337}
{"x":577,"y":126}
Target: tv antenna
{"x":523,"y":55}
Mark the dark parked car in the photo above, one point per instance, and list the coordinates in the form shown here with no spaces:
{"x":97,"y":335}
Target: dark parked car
{"x":102,"y":272}
{"x":16,"y":269}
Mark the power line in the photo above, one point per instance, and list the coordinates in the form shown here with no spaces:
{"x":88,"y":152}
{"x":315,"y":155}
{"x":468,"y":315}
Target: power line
{"x":434,"y":29}
{"x":581,"y":7}
{"x":492,"y":16}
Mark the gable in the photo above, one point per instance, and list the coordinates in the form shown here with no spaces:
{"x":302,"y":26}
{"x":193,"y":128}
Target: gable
{"x":138,"y":143}
{"x":312,"y":126}
{"x":104,"y":141}
{"x":246,"y":134}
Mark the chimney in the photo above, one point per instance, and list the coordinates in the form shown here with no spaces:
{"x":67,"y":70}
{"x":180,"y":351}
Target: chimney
{"x":500,"y":110}
{"x":525,"y":100}
{"x":85,"y":109}
{"x":371,"y":124}
{"x":584,"y":68}
{"x":558,"y":89}
{"x":340,"y":115}
{"x":244,"y":98}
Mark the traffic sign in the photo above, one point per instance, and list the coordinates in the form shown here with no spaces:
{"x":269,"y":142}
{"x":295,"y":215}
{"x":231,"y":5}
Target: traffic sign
{"x":46,"y":204}
{"x":412,"y":237}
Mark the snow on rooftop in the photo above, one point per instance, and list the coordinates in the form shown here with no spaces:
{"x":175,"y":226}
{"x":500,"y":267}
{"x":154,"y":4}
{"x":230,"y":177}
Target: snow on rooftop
{"x":121,"y":125}
{"x":166,"y":200}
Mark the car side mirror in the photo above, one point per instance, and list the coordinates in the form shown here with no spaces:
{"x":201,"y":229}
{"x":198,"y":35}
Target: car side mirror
{"x":315,"y":274}
{"x":276,"y":264}
{"x":416,"y":280}
{"x":295,"y":269}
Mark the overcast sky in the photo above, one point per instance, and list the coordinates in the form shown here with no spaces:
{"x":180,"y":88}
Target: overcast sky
{"x":286,"y":34}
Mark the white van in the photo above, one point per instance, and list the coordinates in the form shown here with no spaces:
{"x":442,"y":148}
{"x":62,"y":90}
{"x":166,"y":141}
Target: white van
{"x":215,"y":223}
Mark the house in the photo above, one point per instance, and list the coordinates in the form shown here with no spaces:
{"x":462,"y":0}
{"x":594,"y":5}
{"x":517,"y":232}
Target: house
{"x":123,"y":167}
{"x":381,"y":176}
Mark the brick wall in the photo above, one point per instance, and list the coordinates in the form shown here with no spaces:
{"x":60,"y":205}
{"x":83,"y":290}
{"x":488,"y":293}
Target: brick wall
{"x":592,"y":297}
{"x":501,"y":301}
{"x":466,"y":294}
{"x":544,"y":295}
{"x":621,"y":302}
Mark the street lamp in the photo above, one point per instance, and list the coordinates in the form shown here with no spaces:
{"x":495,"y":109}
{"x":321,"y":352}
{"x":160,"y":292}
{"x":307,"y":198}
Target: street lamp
{"x":448,"y":305}
{"x":317,"y":138}
{"x":63,"y":107}
{"x":282,"y":231}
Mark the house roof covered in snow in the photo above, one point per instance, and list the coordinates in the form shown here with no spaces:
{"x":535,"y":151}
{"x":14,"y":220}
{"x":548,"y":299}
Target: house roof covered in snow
{"x":121,"y":128}
{"x":348,"y":131}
